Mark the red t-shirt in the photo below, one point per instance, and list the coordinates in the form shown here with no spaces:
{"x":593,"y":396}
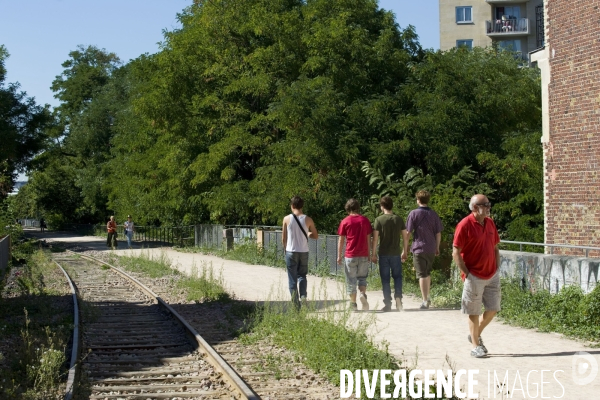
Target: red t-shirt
{"x":357,"y":230}
{"x":478,"y":246}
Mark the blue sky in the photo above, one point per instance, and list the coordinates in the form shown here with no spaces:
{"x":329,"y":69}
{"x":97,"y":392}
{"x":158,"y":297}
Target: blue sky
{"x":39,"y":34}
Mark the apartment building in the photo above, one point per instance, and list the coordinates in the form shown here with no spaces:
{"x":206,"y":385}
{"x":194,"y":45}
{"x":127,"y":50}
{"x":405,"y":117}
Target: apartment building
{"x":515,"y":25}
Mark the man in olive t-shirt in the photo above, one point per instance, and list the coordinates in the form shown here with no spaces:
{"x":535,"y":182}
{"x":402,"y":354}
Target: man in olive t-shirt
{"x":388,"y":229}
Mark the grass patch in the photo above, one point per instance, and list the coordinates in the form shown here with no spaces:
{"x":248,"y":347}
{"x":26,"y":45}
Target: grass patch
{"x":36,"y":322}
{"x":203,"y":284}
{"x":326,"y":344}
{"x":144,"y":264}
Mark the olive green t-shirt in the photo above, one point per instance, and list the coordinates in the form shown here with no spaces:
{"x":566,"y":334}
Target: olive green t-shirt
{"x":390,"y":227}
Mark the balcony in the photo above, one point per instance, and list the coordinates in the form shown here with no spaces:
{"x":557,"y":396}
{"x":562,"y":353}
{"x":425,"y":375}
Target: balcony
{"x":508,"y":27}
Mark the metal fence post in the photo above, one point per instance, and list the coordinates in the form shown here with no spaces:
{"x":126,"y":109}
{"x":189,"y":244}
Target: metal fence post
{"x":227,"y":239}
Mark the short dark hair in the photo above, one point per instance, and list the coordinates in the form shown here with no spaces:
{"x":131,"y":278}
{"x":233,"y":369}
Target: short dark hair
{"x":423,"y":196}
{"x":352,"y":205}
{"x":297,"y":203}
{"x":387,"y":203}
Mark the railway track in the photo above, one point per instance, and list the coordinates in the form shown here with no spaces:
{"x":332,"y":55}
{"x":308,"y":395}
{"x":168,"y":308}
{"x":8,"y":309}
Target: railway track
{"x":168,"y":371}
{"x":136,"y":347}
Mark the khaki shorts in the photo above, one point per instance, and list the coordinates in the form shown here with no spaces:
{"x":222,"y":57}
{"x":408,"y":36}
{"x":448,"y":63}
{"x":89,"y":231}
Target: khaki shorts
{"x":423,"y":263}
{"x":477,"y":291}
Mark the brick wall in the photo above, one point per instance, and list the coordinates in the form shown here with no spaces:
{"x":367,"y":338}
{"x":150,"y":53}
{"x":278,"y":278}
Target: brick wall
{"x":572,"y":154}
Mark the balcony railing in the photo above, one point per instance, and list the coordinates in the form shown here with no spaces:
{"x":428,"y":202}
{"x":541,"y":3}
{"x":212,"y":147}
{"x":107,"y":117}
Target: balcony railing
{"x":506,"y":27}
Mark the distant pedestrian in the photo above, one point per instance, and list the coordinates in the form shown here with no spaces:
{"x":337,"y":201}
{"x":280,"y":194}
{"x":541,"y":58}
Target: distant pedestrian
{"x":477,"y":255}
{"x":111,"y":228}
{"x":297,"y":228}
{"x":389,"y":228}
{"x":42,"y":224}
{"x":355,"y":230}
{"x":129,"y":229}
{"x":426,"y":228}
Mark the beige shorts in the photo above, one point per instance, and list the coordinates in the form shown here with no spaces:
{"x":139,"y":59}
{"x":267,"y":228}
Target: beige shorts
{"x":423,"y":263}
{"x":477,"y":291}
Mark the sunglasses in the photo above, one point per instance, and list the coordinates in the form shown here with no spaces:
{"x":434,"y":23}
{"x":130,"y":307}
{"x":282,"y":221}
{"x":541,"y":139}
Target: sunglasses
{"x":488,"y":204}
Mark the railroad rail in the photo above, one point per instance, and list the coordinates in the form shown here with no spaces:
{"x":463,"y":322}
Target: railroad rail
{"x":138,"y":346}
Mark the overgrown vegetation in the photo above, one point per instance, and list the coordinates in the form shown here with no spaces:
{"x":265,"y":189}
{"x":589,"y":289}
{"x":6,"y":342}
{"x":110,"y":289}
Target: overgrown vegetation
{"x":327,"y":343}
{"x":570,"y":311}
{"x":201,"y":285}
{"x":36,"y":322}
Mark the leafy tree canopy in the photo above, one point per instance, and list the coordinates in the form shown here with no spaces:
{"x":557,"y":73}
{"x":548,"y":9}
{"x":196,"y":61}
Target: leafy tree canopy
{"x":22,"y":124}
{"x":253,"y":101}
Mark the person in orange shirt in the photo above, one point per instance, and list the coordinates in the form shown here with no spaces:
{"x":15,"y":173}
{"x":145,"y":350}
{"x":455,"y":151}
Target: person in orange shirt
{"x":111,"y":228}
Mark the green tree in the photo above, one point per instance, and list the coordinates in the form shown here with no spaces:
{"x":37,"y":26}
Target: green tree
{"x":22,"y":124}
{"x":516,"y":172}
{"x":251,"y":102}
{"x":91,"y":97}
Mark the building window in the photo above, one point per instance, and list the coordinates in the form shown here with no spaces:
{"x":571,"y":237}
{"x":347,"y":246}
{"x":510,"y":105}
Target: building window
{"x":539,"y":26}
{"x":464,"y":15}
{"x":466,"y":43}
{"x":510,"y":45}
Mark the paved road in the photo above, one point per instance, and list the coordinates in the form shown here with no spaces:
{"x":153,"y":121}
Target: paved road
{"x":421,"y":338}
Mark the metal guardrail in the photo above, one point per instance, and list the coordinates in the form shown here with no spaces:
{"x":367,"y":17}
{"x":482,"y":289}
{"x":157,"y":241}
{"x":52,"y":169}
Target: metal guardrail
{"x":552,"y":246}
{"x":211,"y":237}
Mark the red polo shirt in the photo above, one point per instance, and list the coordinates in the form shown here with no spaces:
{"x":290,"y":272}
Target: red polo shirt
{"x":478,"y":246}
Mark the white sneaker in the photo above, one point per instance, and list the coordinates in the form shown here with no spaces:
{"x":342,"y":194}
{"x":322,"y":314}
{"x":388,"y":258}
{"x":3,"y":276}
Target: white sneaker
{"x":478,"y":352}
{"x":399,"y":304}
{"x":363,"y":300}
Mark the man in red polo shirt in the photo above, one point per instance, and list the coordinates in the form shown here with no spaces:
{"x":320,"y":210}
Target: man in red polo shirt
{"x":476,"y":254}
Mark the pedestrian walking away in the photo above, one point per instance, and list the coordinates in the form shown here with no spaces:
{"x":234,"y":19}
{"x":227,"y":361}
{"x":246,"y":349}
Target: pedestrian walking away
{"x":297,"y":229}
{"x":42,"y":224}
{"x":426,"y":228}
{"x":111,"y":228}
{"x":355,"y":230}
{"x":388,"y":229}
{"x":476,"y":253}
{"x":129,"y":229}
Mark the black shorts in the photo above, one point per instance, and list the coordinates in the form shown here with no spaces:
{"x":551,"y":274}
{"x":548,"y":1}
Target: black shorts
{"x":423,"y":263}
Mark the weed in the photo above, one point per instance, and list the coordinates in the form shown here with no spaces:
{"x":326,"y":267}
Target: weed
{"x":153,"y":267}
{"x":36,"y":323}
{"x":204,"y":286}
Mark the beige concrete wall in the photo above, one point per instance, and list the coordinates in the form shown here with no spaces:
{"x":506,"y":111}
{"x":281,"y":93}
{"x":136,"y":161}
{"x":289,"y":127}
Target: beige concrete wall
{"x":450,"y":31}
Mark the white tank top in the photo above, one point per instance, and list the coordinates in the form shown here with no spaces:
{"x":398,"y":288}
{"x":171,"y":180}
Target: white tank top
{"x":296,"y":242}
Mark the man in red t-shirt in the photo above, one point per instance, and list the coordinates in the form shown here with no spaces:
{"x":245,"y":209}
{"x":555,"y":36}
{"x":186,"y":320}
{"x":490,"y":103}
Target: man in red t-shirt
{"x":476,"y":254}
{"x":356,"y":229}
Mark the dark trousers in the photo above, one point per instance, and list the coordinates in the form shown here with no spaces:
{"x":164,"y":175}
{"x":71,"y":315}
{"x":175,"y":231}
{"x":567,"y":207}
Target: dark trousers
{"x":111,"y":240}
{"x":297,"y":268}
{"x":390,"y":267}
